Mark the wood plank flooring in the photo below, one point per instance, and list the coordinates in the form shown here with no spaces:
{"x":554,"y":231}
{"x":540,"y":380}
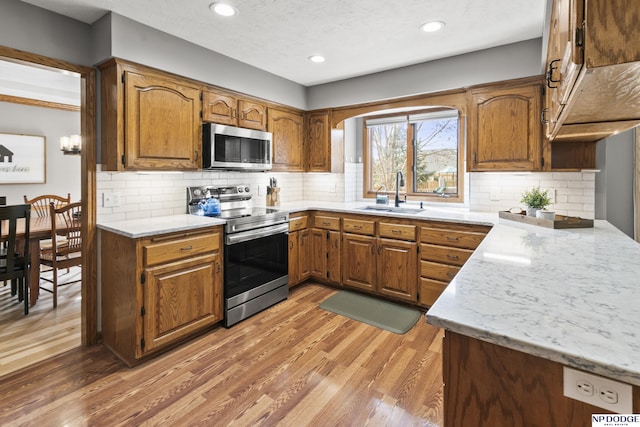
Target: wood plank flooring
{"x":291,"y":365}
{"x":45,"y":331}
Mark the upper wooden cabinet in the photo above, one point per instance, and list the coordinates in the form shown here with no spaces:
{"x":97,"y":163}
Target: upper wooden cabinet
{"x":324,"y":146}
{"x":150,"y":119}
{"x":288,"y":132}
{"x":504,"y":130}
{"x":228,"y":109}
{"x":593,"y":66}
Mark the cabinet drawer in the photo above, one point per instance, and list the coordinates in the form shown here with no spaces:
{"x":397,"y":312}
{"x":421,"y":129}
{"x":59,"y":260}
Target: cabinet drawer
{"x":398,"y":231}
{"x":444,"y":254}
{"x":174,"y":249}
{"x":327,"y":222}
{"x":430,"y":290}
{"x":458,"y":239}
{"x":434,"y":270}
{"x":359,"y":226}
{"x":299,"y":223}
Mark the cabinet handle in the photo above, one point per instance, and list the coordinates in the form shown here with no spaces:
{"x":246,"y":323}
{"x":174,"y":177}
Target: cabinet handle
{"x":357,"y":227}
{"x":379,"y":247}
{"x":452,"y":239}
{"x":187,"y":248}
{"x":549,"y":76}
{"x":326,"y":223}
{"x":454,"y":257}
{"x":218,"y":267}
{"x":234,"y":113}
{"x":394,"y":231}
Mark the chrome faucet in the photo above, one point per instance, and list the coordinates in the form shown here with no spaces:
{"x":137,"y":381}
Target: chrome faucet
{"x":398,"y":175}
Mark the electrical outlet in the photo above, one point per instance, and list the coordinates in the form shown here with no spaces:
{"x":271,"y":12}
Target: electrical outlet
{"x":332,"y":188}
{"x":111,"y":199}
{"x":602,"y":392}
{"x":494,"y":194}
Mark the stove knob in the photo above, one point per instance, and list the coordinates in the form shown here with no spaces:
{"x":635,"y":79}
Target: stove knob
{"x":246,"y":189}
{"x":240,"y":189}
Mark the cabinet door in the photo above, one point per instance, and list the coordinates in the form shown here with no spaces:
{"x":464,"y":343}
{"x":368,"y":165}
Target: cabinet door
{"x":505,"y":129}
{"x":564,"y":58}
{"x":318,"y":142}
{"x":252,"y":115}
{"x":397,"y":269}
{"x":219,"y":108}
{"x":162,"y":123}
{"x":180,"y":298}
{"x":318,"y":259}
{"x":304,"y":254}
{"x":288,"y":149}
{"x":334,"y":272}
{"x":294,"y":267}
{"x":358,"y":260}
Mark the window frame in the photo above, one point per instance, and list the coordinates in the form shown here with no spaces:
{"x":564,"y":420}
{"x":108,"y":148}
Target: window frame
{"x":411,"y":195}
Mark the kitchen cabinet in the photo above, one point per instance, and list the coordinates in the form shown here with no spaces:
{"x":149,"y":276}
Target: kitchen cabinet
{"x":326,"y":243}
{"x":504,"y":130}
{"x":324,"y":146}
{"x":385,"y":264}
{"x":444,"y":249}
{"x":299,"y":249}
{"x":229,"y":109}
{"x":288,"y":140}
{"x":159,"y":290}
{"x":593,"y":65}
{"x":150,"y":119}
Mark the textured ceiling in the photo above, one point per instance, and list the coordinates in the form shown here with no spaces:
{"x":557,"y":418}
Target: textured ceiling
{"x":357,"y":37}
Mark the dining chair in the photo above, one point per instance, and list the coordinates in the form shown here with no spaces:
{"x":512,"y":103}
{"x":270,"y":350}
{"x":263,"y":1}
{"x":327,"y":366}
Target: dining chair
{"x":68,"y":254}
{"x":40,"y":204}
{"x":14,"y":256}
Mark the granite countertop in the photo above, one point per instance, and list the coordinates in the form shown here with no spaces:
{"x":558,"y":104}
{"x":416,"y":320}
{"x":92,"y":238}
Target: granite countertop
{"x":144,"y":227}
{"x":571,"y":296}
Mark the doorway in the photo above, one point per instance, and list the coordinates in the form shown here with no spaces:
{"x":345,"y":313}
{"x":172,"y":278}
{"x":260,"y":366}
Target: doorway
{"x":87,"y":81}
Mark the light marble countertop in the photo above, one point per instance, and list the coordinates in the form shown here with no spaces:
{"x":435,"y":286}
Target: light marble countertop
{"x":571,"y":296}
{"x":144,"y":227}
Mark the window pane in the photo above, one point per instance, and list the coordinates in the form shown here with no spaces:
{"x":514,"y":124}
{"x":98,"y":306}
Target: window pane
{"x":388,"y":144}
{"x":436,"y":155}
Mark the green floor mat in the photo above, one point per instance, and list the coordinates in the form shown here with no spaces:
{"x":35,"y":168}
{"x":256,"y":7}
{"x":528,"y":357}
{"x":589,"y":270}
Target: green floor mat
{"x":383,"y":314}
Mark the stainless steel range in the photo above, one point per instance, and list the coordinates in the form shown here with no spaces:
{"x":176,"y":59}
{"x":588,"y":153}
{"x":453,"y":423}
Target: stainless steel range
{"x":255,"y":251}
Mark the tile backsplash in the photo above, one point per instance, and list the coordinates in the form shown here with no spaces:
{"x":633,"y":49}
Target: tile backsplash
{"x":574,"y":191}
{"x":145,"y":195}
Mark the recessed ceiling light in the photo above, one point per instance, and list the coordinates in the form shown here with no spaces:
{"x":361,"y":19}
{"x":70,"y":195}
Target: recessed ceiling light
{"x":432,"y":26}
{"x":316,"y":58}
{"x":223,"y":9}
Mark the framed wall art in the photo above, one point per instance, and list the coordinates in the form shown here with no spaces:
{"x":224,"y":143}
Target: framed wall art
{"x":22,"y":159}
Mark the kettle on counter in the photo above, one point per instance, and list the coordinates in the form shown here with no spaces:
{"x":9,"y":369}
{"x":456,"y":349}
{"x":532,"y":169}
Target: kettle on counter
{"x":210,"y":207}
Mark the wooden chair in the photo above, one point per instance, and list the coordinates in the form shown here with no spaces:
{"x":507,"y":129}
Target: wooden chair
{"x":40,"y":204}
{"x":14,"y":256}
{"x":67,"y":255}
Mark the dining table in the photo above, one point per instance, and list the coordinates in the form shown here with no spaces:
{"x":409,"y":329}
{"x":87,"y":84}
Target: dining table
{"x":39,"y":229}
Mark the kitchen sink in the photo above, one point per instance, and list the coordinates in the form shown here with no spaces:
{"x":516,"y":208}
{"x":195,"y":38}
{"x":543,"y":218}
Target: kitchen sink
{"x":385,"y":208}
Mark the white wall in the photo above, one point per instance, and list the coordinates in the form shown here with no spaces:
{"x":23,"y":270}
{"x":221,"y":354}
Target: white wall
{"x":62,"y":171}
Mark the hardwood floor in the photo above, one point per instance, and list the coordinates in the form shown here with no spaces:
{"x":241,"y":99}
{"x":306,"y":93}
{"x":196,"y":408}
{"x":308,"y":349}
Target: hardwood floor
{"x":291,"y":365}
{"x":44,"y":332}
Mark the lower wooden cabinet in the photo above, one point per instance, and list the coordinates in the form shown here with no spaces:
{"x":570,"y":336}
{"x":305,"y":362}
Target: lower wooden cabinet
{"x":159,"y":290}
{"x":358,"y":261}
{"x":299,"y":250}
{"x":444,"y":249}
{"x":397,"y":269}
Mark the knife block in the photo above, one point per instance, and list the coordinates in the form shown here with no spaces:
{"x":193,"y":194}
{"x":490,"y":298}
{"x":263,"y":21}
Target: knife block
{"x":273,"y":196}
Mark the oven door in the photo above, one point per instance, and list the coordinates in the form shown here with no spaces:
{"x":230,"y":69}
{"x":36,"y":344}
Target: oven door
{"x":256,"y":262}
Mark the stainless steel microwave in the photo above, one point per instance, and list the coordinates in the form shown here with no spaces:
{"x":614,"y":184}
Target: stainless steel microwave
{"x":232,"y":148}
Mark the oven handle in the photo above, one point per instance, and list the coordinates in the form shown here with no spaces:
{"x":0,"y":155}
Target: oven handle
{"x":245,"y":236}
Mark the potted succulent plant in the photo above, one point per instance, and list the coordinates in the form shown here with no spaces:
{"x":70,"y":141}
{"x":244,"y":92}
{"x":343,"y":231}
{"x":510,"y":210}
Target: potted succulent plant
{"x":535,"y":200}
